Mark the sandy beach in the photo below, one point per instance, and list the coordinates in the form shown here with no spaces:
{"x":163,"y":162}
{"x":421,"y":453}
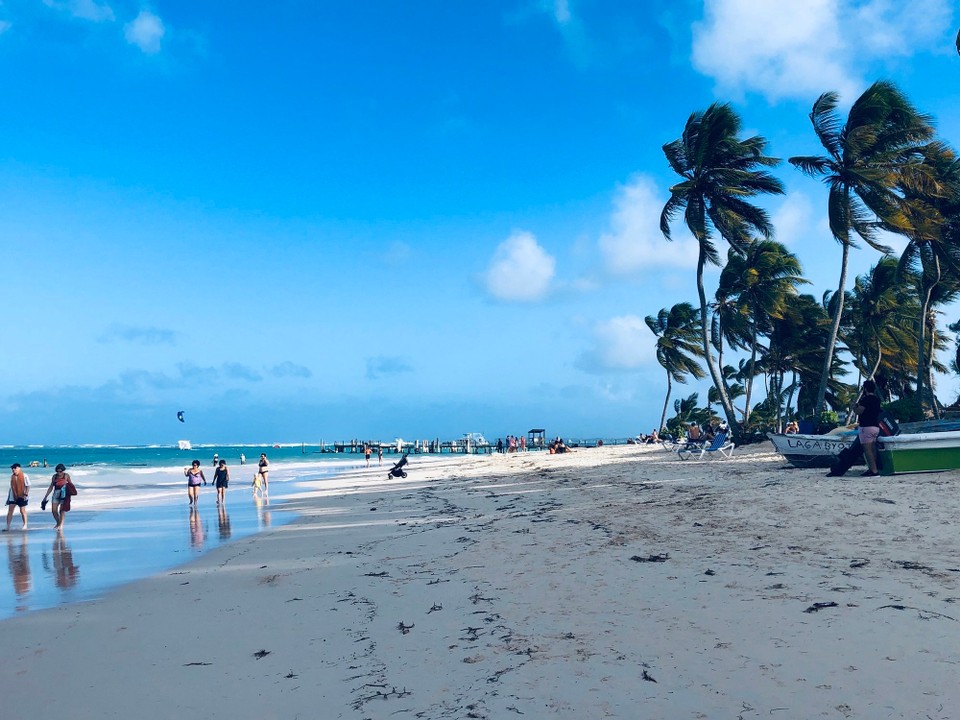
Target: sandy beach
{"x":616,"y":582}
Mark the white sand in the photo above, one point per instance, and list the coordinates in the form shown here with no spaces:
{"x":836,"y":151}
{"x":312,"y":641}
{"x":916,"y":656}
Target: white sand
{"x":506,"y":586}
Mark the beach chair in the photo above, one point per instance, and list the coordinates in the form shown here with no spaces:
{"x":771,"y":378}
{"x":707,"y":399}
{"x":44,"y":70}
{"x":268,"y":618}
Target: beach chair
{"x":719,"y":447}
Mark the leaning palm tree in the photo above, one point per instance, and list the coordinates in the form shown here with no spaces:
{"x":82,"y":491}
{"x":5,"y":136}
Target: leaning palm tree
{"x":720,"y":173}
{"x":763,"y":279}
{"x":881,"y":141}
{"x":928,"y":213}
{"x":679,"y":344}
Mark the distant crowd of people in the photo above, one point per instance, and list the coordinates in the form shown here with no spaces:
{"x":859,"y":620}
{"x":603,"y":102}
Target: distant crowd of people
{"x":513,"y":444}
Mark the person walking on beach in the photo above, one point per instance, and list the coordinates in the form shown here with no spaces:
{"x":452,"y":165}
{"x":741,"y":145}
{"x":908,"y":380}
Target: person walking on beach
{"x":221,"y":479}
{"x":19,"y":494}
{"x":868,"y":429}
{"x":264,"y":466}
{"x":194,"y":475}
{"x":59,"y":504}
{"x":367,"y":451}
{"x":379,"y":454}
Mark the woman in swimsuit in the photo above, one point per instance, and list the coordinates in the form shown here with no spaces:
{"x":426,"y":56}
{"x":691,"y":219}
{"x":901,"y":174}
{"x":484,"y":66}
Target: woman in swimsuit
{"x":194,"y":476}
{"x":221,"y":479}
{"x":264,"y":465}
{"x":58,"y":486}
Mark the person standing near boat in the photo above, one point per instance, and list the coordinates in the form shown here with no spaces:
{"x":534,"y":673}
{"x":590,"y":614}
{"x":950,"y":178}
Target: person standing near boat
{"x":19,"y":494}
{"x":868,"y":429}
{"x":264,"y":466}
{"x":221,"y":479}
{"x":194,"y":475}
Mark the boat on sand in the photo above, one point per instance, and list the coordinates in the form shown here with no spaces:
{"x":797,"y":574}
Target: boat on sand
{"x":919,"y":452}
{"x":812,"y":450}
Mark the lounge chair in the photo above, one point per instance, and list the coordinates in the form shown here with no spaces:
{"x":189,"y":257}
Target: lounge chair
{"x":719,"y":447}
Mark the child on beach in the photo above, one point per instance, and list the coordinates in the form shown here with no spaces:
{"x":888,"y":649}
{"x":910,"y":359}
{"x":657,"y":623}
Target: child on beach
{"x":257,"y":485}
{"x":194,"y":475}
{"x":18,"y":495}
{"x":221,"y":479}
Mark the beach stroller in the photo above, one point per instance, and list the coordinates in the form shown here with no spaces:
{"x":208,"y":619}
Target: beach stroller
{"x":397,"y":470}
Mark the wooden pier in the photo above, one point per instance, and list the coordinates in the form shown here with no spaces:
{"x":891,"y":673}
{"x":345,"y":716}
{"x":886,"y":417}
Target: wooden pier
{"x":461,"y":446}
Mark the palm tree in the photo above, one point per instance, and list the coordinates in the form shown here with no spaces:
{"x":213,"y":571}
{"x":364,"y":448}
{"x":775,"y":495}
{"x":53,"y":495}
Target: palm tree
{"x":931,"y":200}
{"x":679,"y":343}
{"x":796,"y":342}
{"x":763,"y":280}
{"x":720,"y":173}
{"x":879,"y":316}
{"x":865,"y":157}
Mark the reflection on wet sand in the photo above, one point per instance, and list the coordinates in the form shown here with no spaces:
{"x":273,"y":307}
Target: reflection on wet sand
{"x":263,"y":510}
{"x":224,"y":521}
{"x":196,"y":529}
{"x":19,"y":561}
{"x":66,"y":572}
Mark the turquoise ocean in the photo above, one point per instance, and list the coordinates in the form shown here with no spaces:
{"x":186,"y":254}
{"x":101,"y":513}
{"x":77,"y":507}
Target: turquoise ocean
{"x":131,"y":519}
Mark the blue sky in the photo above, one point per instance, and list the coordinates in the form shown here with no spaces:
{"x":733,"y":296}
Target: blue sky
{"x":302,"y":220}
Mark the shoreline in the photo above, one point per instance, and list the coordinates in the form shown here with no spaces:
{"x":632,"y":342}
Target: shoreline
{"x":610,"y":582}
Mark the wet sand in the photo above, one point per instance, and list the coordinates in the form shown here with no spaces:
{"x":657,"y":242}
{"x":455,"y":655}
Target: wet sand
{"x":614,"y":582}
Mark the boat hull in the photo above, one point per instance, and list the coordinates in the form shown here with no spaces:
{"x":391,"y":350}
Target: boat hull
{"x":919,"y":452}
{"x":810,"y":450}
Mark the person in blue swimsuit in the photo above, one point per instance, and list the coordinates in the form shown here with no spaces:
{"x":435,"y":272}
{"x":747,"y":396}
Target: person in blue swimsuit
{"x":221,"y":479}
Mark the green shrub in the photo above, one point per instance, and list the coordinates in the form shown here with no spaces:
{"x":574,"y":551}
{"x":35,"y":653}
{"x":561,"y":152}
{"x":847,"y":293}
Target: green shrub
{"x":827,"y":421}
{"x":906,"y":409}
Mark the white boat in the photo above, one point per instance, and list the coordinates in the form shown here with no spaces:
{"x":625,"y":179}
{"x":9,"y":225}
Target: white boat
{"x":184,"y":445}
{"x":812,"y":450}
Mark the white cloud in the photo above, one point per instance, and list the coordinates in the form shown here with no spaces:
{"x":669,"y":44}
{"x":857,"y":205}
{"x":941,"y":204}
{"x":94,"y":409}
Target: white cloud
{"x":886,"y":27}
{"x":146,"y":31}
{"x":84,"y":9}
{"x":798,"y":222}
{"x":620,"y":343}
{"x":799,"y":48}
{"x":521,"y":270}
{"x":561,"y":11}
{"x":635,"y":242}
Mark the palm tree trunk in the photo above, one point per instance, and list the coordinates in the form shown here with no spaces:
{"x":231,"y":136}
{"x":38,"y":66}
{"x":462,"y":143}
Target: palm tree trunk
{"x":753,"y":360}
{"x":876,"y":365}
{"x":923,"y":372}
{"x":834,"y":330}
{"x":793,"y":386}
{"x":666,"y":401}
{"x":718,"y":380}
